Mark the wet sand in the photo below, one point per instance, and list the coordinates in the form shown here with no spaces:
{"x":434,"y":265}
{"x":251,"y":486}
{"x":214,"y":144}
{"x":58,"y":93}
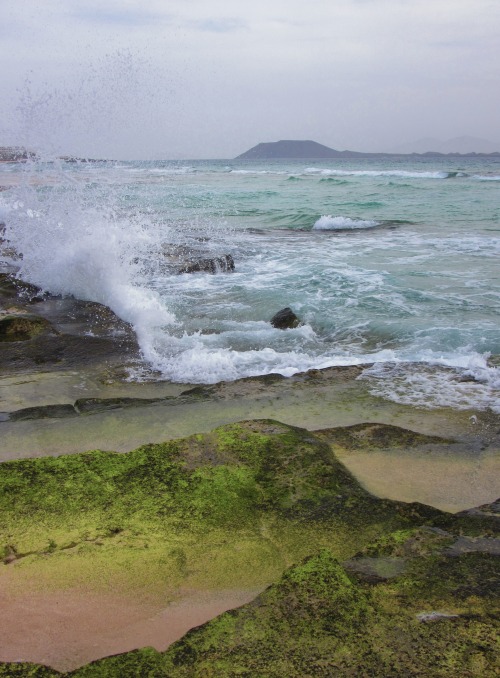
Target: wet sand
{"x":67,"y":629}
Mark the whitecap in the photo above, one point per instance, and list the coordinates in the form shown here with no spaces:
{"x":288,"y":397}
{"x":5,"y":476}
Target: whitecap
{"x":339,"y":223}
{"x":380,"y":173}
{"x":256,"y":171}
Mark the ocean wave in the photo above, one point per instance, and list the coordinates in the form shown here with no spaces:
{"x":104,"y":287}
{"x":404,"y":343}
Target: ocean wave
{"x":486,"y":177}
{"x":339,"y":223}
{"x":256,"y":171}
{"x":89,"y":253}
{"x":102,"y":241}
{"x":333,"y":180}
{"x":157,"y":170}
{"x":172,"y":170}
{"x":196,"y":362}
{"x":383,"y":173}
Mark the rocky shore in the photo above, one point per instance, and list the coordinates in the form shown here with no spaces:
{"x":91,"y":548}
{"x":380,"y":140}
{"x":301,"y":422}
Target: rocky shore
{"x":359,"y":536}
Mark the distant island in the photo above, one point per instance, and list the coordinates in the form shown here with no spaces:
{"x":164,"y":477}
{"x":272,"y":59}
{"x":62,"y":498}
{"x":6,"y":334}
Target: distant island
{"x":293,"y":149}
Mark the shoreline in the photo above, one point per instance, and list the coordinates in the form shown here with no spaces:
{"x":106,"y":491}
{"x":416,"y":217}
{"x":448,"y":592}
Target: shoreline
{"x":66,"y":391}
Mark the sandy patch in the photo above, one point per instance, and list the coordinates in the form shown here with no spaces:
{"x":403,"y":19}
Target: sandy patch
{"x":67,"y":629}
{"x":446,"y":482}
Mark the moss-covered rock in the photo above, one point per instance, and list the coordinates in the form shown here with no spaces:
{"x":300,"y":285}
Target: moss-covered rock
{"x":26,"y":670}
{"x":22,"y":327}
{"x":318,"y":621}
{"x":438,"y":618}
{"x":271,"y":483}
{"x":239,"y":507}
{"x":374,"y":436}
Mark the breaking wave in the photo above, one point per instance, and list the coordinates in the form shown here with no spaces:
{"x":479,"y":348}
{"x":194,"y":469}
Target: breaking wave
{"x":329,"y":223}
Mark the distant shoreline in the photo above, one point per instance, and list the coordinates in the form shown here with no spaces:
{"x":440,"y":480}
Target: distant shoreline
{"x":279,"y":150}
{"x":311,"y":150}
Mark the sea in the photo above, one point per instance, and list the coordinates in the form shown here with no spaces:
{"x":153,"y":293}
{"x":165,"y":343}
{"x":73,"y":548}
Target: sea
{"x":389,"y":262}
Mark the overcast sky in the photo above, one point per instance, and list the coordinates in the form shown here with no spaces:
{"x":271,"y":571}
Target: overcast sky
{"x":211,"y":78}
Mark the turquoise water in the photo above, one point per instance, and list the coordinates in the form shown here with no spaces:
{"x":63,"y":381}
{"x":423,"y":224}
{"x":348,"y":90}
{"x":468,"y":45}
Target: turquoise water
{"x":386,"y":261}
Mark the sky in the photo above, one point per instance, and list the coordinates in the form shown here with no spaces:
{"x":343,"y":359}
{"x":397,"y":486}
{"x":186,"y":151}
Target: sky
{"x":212,"y":78}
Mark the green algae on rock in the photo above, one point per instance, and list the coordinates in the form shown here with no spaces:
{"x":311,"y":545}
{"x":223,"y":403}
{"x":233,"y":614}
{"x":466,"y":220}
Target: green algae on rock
{"x":26,"y":670}
{"x":228,"y":509}
{"x":238,"y":475}
{"x":239,"y":507}
{"x":261,"y":467}
{"x":22,"y":327}
{"x":439,"y":618}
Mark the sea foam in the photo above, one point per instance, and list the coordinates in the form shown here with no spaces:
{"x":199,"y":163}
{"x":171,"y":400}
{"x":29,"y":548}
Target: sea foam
{"x":461,"y":383}
{"x":329,"y":223}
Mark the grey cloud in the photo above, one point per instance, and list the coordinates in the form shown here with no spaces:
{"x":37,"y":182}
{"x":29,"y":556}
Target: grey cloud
{"x":219,"y":77}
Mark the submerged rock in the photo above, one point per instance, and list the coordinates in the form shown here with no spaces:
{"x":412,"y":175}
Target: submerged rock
{"x":285,"y":319}
{"x":95,"y":405}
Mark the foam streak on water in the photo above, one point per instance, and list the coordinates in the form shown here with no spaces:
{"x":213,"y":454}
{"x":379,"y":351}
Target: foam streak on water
{"x":391,"y":262}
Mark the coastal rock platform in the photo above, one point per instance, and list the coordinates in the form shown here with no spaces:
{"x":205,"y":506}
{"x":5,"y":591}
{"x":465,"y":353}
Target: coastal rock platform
{"x":334,"y":532}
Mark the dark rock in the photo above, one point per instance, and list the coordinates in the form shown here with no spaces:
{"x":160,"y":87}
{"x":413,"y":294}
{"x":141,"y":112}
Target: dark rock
{"x":44,"y":412}
{"x":65,"y":351}
{"x":492,"y":509}
{"x":222,"y":264}
{"x":22,"y":327}
{"x":481,"y":521}
{"x":285,"y":319}
{"x":474,"y":545}
{"x":198,"y":392}
{"x":13,"y":288}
